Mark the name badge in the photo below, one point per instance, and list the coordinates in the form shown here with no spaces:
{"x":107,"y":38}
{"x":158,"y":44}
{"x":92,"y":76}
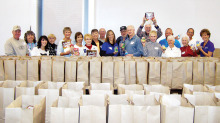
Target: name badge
{"x":206,"y":48}
{"x":132,"y":42}
{"x":183,"y":52}
{"x":156,"y":48}
{"x":110,"y":48}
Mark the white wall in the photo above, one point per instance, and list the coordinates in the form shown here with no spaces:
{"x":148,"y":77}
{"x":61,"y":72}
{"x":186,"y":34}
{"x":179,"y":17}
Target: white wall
{"x":16,"y":12}
{"x":176,"y":14}
{"x":58,"y":14}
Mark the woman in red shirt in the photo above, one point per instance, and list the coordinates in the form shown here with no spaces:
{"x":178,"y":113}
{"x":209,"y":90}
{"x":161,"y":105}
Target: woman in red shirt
{"x":186,"y":50}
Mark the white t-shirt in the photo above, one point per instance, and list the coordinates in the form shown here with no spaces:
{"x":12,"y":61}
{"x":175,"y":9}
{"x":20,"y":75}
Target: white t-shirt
{"x":82,"y":50}
{"x":172,"y":52}
{"x":39,"y":52}
{"x":93,"y":48}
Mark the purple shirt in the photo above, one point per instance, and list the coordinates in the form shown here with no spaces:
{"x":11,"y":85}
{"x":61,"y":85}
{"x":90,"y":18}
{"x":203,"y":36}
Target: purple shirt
{"x":208,"y":47}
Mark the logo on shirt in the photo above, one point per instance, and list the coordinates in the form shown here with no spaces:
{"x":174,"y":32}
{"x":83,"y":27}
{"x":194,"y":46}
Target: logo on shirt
{"x":206,"y":48}
{"x":84,"y":50}
{"x":110,"y":48}
{"x":156,"y":48}
{"x":21,"y":47}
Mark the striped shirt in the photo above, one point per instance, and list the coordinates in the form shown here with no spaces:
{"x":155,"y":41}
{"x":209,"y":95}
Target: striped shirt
{"x":141,"y":33}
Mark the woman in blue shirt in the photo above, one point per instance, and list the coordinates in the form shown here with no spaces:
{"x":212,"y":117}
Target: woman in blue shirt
{"x":110,"y":47}
{"x":206,"y":48}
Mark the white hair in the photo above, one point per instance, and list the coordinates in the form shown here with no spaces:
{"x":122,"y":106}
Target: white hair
{"x":185,"y":36}
{"x":130,"y":26}
{"x":171,"y":37}
{"x":148,"y":22}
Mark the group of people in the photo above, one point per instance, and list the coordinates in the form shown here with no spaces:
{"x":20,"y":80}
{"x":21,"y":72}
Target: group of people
{"x":102,"y":43}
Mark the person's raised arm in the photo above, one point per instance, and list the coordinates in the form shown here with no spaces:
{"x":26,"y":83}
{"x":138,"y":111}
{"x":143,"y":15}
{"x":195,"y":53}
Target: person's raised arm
{"x":139,"y":31}
{"x":159,"y":31}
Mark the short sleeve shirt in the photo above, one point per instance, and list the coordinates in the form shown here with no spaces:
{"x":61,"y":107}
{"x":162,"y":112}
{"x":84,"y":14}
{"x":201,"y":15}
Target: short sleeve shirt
{"x":208,"y":47}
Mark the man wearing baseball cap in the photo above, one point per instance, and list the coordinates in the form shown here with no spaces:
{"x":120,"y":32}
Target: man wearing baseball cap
{"x":15,"y":46}
{"x":122,"y":38}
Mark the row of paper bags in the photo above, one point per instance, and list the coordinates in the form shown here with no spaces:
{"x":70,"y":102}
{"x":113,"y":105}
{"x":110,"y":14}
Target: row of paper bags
{"x":52,"y":92}
{"x":172,"y":73}
{"x":172,"y":109}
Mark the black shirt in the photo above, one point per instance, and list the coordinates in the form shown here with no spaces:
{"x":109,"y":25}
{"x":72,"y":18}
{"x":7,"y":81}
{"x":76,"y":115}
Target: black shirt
{"x":52,"y":49}
{"x":100,"y":46}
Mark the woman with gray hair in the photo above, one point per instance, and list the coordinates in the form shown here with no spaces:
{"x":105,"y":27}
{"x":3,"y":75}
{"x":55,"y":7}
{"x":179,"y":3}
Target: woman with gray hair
{"x":172,"y":50}
{"x":186,"y":50}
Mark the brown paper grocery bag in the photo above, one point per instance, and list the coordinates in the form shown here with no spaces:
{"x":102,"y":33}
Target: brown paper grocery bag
{"x":95,"y":99}
{"x":217,"y":74}
{"x":28,"y":109}
{"x":52,"y":90}
{"x":150,"y":114}
{"x":107,"y":72}
{"x":119,"y":72}
{"x":118,"y":58}
{"x":46,"y":70}
{"x":134,"y":87}
{"x":178,"y":78}
{"x":156,"y":88}
{"x":130,"y":72}
{"x":188,"y":72}
{"x":198,"y":72}
{"x":2,"y":72}
{"x":190,"y":89}
{"x":142,"y":72}
{"x":63,"y":111}
{"x":174,"y":109}
{"x":95,"y":71}
{"x":28,"y":88}
{"x":9,"y":66}
{"x":83,"y":72}
{"x":121,"y":114}
{"x":144,"y":100}
{"x":209,"y":72}
{"x":58,"y":66}
{"x":92,"y":114}
{"x":121,"y":99}
{"x":21,"y":69}
{"x":154,"y":73}
{"x":7,"y":94}
{"x":70,"y":71}
{"x":73,"y":89}
{"x":166,"y":73}
{"x":206,"y":110}
{"x":33,"y":70}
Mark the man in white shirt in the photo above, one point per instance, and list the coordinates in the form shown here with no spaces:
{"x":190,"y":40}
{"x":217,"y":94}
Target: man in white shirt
{"x":15,"y":46}
{"x":192,"y":41}
{"x":172,"y":50}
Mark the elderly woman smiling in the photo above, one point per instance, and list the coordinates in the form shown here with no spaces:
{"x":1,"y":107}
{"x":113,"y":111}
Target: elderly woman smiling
{"x":172,"y":50}
{"x":186,"y":50}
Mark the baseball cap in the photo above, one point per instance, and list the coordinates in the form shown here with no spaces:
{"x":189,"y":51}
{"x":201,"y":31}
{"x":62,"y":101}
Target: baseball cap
{"x":123,"y":28}
{"x":16,"y":28}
